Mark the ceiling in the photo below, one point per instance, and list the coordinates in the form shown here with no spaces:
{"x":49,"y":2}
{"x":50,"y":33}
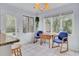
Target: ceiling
{"x":30,"y":6}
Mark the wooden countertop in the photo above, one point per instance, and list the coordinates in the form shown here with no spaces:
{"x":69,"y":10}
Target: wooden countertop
{"x":6,"y":41}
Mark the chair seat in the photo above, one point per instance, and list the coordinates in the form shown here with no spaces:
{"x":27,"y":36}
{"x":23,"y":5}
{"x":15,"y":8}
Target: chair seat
{"x":37,"y":37}
{"x":16,"y":45}
{"x":57,"y":40}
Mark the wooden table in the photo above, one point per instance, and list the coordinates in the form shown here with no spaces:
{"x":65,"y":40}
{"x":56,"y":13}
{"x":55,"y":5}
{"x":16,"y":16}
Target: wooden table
{"x":45,"y":37}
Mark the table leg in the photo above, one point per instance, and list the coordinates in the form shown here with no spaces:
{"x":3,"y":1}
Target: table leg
{"x":40,"y":41}
{"x":49,"y":43}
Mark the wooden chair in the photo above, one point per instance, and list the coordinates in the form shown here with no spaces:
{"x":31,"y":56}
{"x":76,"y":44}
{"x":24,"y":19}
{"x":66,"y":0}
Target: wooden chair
{"x":16,"y":50}
{"x":60,"y":40}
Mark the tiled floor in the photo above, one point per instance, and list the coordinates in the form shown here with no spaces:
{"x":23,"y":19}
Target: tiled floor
{"x":44,"y":50}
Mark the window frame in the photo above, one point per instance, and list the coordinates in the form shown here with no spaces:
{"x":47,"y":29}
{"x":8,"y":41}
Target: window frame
{"x":28,"y":24}
{"x":61,"y":21}
{"x":13,"y":33}
{"x":47,"y":18}
{"x":33,"y":24}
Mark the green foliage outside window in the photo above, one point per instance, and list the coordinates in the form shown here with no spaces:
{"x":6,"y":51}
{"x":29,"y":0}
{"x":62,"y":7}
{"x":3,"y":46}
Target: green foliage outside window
{"x":56,"y":25}
{"x":67,"y":25}
{"x":48,"y":24}
{"x":10,"y":24}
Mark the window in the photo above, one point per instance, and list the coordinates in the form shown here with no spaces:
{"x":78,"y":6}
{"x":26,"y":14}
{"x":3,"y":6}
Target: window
{"x":67,"y":23}
{"x":28,"y":24}
{"x":31,"y":24}
{"x":48,"y":25}
{"x":59,"y":23}
{"x":62,"y":23}
{"x":56,"y":24}
{"x":25,"y":25}
{"x":10,"y":24}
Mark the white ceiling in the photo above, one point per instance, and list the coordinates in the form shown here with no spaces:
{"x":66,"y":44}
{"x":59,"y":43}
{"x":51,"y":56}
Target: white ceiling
{"x":30,"y":6}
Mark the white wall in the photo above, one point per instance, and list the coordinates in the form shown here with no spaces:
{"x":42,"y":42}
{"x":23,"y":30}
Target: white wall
{"x":26,"y":38}
{"x":75,"y":35}
{"x":69,"y":8}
